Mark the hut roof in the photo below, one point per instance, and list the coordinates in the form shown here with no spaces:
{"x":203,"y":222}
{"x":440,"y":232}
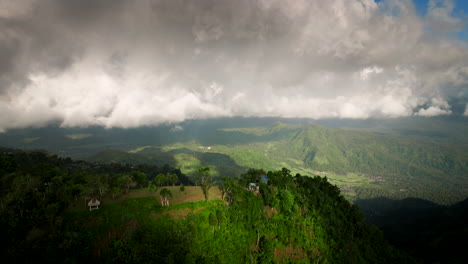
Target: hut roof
{"x":94,"y":202}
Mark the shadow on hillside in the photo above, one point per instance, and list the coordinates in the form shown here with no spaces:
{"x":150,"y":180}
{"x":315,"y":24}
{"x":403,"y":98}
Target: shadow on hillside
{"x":222,"y":162}
{"x":433,"y":232}
{"x":155,"y":156}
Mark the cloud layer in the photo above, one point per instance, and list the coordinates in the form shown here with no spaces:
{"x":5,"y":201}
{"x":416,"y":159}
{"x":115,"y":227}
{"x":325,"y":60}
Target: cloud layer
{"x":119,"y":63}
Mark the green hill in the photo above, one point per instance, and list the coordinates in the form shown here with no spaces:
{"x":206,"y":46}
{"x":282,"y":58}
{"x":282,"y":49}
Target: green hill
{"x":347,"y":151}
{"x":416,"y":168}
{"x":287,"y":219}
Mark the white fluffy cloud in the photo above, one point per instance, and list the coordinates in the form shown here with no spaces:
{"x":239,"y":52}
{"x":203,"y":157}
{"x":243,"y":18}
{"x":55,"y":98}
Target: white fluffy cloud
{"x":433,"y":111}
{"x":132,"y":63}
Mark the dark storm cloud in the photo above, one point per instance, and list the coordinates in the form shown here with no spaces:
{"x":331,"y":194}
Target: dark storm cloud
{"x":130,"y":63}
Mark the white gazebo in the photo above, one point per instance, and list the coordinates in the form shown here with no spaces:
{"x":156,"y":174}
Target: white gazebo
{"x":94,"y":204}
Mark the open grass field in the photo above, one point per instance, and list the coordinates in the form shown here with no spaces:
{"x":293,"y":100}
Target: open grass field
{"x":139,"y":206}
{"x":190,"y":194}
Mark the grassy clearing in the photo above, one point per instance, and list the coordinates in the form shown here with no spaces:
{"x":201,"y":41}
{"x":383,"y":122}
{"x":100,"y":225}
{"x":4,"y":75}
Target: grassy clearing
{"x":182,"y":210}
{"x":140,"y":206}
{"x":114,"y":220}
{"x":190,"y":194}
{"x":112,"y":215}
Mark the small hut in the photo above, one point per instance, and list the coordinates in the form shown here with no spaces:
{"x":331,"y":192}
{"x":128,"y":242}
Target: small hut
{"x":94,"y":204}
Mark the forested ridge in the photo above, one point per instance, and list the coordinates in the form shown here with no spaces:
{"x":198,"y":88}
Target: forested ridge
{"x":344,"y":151}
{"x":287,"y":219}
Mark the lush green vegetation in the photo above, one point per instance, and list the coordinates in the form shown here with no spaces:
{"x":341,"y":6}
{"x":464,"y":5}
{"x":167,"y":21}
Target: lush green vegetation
{"x":394,"y":158}
{"x":291,"y":219}
{"x":37,"y":188}
{"x":364,"y":165}
{"x":283,"y":218}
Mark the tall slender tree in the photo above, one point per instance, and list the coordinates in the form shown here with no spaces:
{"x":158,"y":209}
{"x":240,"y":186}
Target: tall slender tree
{"x":205,"y":181}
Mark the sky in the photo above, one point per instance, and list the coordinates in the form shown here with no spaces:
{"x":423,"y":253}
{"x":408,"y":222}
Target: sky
{"x":117,"y":63}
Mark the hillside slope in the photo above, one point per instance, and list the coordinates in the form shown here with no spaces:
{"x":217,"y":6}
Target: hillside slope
{"x":347,"y":151}
{"x":289,"y":219}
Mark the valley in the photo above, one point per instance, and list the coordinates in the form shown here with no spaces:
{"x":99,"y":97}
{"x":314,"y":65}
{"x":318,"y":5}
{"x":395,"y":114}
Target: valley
{"x":366,"y":159}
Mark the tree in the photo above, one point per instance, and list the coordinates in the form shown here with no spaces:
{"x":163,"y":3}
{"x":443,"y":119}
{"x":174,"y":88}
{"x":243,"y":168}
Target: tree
{"x":102,"y":188}
{"x":205,"y":181}
{"x":139,"y":178}
{"x":124,"y":181}
{"x":165,"y":194}
{"x":87,"y":193}
{"x":116,"y":192}
{"x":99,"y":184}
{"x":172,"y":178}
{"x":160,"y":179}
{"x":226,"y":189}
{"x":152,"y":188}
{"x":75,"y":190}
